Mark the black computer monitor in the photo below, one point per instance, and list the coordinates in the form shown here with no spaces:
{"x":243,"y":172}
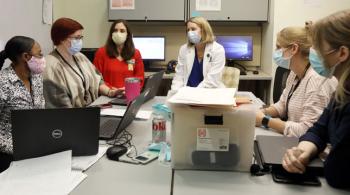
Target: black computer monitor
{"x":89,"y":53}
{"x":150,"y":47}
{"x":237,"y":47}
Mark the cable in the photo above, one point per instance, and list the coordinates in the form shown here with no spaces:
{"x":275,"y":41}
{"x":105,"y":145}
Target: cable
{"x":124,"y":139}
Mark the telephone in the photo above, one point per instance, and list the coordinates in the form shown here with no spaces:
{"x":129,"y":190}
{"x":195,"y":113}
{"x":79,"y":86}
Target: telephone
{"x":171,"y":66}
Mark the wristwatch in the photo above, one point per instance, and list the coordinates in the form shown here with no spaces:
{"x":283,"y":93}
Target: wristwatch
{"x":265,"y":121}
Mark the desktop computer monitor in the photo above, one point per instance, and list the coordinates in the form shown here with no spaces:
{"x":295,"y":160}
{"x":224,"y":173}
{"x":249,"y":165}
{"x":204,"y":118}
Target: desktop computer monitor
{"x":151,"y":48}
{"x":237,"y":47}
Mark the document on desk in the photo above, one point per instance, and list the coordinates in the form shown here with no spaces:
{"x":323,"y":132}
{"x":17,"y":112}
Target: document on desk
{"x":82,"y":163}
{"x":141,"y":114}
{"x":205,"y":96}
{"x":50,"y":174}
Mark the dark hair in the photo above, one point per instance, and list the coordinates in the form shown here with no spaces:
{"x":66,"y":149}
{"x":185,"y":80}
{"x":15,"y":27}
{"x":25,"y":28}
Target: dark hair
{"x":62,"y":28}
{"x":15,"y":47}
{"x":128,"y":49}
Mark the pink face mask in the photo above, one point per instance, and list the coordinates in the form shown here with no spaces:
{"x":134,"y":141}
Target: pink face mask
{"x":36,"y":65}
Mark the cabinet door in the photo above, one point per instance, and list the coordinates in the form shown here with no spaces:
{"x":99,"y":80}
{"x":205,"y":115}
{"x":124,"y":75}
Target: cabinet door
{"x":155,"y":10}
{"x":234,"y":10}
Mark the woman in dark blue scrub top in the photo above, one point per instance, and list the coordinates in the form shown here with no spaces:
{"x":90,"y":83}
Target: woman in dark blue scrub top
{"x":201,"y":61}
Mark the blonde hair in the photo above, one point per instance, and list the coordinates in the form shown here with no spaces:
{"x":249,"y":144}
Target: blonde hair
{"x":296,"y":35}
{"x":206,"y":30}
{"x":335,"y":30}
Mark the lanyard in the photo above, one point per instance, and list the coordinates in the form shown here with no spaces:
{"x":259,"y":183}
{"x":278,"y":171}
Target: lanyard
{"x":293,"y":88}
{"x":81,"y":75}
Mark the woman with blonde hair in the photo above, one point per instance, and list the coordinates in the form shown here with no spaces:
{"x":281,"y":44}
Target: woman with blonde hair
{"x":306,"y":93}
{"x":331,"y":40}
{"x":201,"y":61}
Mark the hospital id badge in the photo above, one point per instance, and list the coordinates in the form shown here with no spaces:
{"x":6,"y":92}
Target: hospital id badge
{"x":130,"y":67}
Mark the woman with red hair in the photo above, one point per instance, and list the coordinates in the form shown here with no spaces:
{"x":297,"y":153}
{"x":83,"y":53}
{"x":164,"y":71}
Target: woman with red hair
{"x":70,"y":79}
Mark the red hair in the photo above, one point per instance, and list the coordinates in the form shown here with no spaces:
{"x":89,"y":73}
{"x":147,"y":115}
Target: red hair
{"x":62,"y":28}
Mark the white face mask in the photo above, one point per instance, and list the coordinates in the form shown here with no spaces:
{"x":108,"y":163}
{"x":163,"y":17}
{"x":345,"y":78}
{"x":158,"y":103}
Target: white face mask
{"x":194,"y":37}
{"x":119,"y":38}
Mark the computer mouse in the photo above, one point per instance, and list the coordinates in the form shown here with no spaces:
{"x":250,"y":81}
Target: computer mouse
{"x":114,"y":152}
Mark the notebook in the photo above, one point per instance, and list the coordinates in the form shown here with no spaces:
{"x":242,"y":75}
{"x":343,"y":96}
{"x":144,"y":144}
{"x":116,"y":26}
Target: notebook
{"x":271,"y":150}
{"x":40,"y":132}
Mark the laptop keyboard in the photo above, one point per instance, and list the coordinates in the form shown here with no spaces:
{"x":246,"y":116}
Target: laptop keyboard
{"x":108,"y":128}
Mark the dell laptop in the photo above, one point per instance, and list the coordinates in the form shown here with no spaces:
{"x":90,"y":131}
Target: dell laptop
{"x":111,"y":126}
{"x":40,"y":132}
{"x":152,"y":84}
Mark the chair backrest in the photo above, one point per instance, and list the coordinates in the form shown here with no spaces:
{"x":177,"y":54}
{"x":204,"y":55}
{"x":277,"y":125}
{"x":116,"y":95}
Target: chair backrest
{"x":230,"y":77}
{"x":279,"y":84}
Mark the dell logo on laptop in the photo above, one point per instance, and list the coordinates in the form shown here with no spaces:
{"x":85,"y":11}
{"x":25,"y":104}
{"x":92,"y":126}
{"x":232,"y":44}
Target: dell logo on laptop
{"x":57,"y":133}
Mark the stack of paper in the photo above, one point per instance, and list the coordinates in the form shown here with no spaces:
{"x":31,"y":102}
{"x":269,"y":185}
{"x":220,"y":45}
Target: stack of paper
{"x":141,"y":114}
{"x":50,"y":174}
{"x":82,"y":163}
{"x":218,"y":97}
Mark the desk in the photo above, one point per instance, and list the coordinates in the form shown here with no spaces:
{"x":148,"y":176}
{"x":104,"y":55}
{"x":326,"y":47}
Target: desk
{"x":227,"y":183}
{"x":259,"y":84}
{"x":112,"y":177}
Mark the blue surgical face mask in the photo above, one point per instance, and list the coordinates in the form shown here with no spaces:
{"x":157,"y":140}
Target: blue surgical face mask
{"x":280,"y":60}
{"x":318,"y":64}
{"x":194,"y":37}
{"x":76,"y":45}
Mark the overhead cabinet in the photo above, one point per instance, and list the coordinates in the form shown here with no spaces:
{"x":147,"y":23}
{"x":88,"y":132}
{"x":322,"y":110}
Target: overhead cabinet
{"x":234,"y":10}
{"x":150,"y":10}
{"x":181,"y":10}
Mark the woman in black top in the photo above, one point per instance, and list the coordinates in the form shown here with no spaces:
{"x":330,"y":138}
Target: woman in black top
{"x":331,"y":40}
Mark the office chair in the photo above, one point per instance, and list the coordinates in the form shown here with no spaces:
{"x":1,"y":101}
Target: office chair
{"x":230,"y":77}
{"x":89,"y":53}
{"x":279,"y":84}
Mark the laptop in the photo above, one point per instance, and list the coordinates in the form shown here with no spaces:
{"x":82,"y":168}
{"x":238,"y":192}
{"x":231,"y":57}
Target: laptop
{"x":153,"y":83}
{"x":40,"y":132}
{"x":271,"y":150}
{"x":111,"y":126}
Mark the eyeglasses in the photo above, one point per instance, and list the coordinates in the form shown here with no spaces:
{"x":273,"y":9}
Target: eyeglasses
{"x":77,"y":37}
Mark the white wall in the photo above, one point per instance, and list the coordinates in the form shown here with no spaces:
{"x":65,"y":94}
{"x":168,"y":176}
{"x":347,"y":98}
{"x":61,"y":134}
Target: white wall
{"x":285,"y":13}
{"x":23,"y":17}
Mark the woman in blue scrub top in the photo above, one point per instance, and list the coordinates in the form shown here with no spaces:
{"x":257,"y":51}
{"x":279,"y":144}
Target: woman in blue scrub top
{"x":201,"y":61}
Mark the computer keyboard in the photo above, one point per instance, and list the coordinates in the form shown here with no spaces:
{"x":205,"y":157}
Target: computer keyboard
{"x":108,"y":128}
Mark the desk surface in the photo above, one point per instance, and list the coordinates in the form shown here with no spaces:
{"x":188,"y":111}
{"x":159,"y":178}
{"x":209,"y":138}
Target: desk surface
{"x":249,"y":76}
{"x":111,"y":177}
{"x":225,"y":183}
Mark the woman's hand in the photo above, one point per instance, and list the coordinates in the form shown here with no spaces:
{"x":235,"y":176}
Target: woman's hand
{"x":295,"y":160}
{"x":259,"y":116}
{"x":113,"y":92}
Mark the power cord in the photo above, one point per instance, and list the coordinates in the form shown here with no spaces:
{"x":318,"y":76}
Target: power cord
{"x":124,"y":139}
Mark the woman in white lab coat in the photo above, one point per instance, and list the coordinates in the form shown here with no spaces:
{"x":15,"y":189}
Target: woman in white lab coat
{"x":201,"y":61}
